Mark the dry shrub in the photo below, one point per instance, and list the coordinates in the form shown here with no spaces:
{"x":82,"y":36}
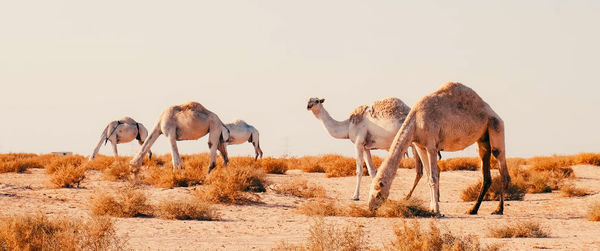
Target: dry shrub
{"x":301,"y":188}
{"x":412,"y":207}
{"x":323,"y":236}
{"x":68,"y":176}
{"x":118,"y":170}
{"x":127,"y":202}
{"x":338,"y":165}
{"x":406,"y":163}
{"x":555,"y":163}
{"x":587,"y":159}
{"x":519,"y":229}
{"x":37,"y":232}
{"x":310,"y":164}
{"x":233,"y":185}
{"x":540,"y":181}
{"x":273,"y":165}
{"x":569,"y":190}
{"x":321,"y":207}
{"x":593,"y":213}
{"x":59,"y":162}
{"x":167,"y":177}
{"x":187,"y":210}
{"x":513,"y":192}
{"x":454,"y":164}
{"x":19,"y":162}
{"x":410,"y":237}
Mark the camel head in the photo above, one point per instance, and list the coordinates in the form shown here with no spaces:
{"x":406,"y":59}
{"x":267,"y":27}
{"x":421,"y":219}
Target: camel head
{"x":313,"y":102}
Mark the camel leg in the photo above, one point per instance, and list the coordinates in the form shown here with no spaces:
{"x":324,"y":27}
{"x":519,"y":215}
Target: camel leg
{"x":137,"y":160}
{"x":221,"y":147}
{"x":213,"y":144}
{"x":422,"y":153}
{"x":434,"y":180}
{"x":174,"y":151}
{"x":257,"y":150}
{"x":369,"y":161}
{"x":418,"y":169}
{"x":484,"y":154}
{"x":359,"y":168}
{"x":141,"y":142}
{"x":496,"y":132}
{"x":114,"y":145}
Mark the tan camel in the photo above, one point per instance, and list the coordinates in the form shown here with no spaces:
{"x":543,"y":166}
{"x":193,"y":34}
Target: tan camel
{"x":189,"y":121}
{"x":450,"y":119}
{"x":240,"y":132}
{"x":368,"y":128}
{"x":121,"y":131}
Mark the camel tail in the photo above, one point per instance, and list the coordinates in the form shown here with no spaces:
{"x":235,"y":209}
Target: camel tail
{"x":380,"y":186}
{"x":103,"y":137}
{"x":145,"y":148}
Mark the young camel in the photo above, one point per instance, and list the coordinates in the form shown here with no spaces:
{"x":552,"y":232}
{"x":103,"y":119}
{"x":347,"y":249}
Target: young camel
{"x":188,"y":121}
{"x":240,"y":132}
{"x":121,"y":131}
{"x":368,"y":128}
{"x":450,"y":119}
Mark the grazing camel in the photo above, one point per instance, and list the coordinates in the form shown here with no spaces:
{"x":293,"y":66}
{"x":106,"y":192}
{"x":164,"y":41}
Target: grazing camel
{"x":240,"y":132}
{"x":121,"y":131}
{"x":450,"y":119}
{"x":188,"y":121}
{"x":368,"y":128}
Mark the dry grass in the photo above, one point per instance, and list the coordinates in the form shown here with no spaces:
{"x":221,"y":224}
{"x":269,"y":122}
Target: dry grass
{"x":301,"y":188}
{"x":18,"y":162}
{"x":410,"y":237}
{"x":593,"y":213}
{"x":569,"y":190}
{"x":323,"y":236}
{"x":37,"y":232}
{"x":519,"y":229}
{"x":273,"y":165}
{"x":187,"y":210}
{"x":454,"y":164}
{"x":587,"y":159}
{"x":328,"y":207}
{"x":233,"y":185}
{"x":513,"y":192}
{"x":68,"y":176}
{"x":127,"y":202}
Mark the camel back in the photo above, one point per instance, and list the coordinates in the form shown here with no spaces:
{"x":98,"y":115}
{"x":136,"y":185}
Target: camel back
{"x":357,"y":115}
{"x":194,"y":106}
{"x":389,"y":108}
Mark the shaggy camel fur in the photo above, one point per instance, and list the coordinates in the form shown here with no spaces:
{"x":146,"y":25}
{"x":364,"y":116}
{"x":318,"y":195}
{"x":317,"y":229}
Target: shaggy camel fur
{"x":368,"y":128}
{"x":189,"y":121}
{"x":450,"y":119}
{"x":240,"y":132}
{"x":121,"y":131}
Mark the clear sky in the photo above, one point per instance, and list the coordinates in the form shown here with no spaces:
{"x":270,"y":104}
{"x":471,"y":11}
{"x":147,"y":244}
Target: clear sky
{"x":67,"y":68}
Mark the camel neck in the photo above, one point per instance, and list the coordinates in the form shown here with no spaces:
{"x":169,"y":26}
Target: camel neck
{"x":337,"y":129}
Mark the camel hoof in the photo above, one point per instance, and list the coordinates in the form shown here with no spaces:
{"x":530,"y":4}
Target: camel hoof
{"x":497,"y":212}
{"x":472,"y":212}
{"x":355,"y":198}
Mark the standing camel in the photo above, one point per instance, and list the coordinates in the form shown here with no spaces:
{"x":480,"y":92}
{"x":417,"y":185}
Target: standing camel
{"x":121,"y":131}
{"x":189,"y":121}
{"x":368,"y":128}
{"x":240,"y":132}
{"x":449,"y":119}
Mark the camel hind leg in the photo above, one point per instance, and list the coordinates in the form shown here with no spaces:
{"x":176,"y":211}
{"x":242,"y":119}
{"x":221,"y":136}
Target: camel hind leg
{"x":223,"y":149}
{"x":213,"y":143}
{"x":496,"y":133}
{"x":484,"y":154}
{"x":137,"y":160}
{"x":114,"y":145}
{"x":359,"y":168}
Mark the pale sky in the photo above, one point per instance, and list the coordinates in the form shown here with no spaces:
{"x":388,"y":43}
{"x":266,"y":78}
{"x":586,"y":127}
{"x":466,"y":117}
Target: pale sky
{"x":67,"y":68}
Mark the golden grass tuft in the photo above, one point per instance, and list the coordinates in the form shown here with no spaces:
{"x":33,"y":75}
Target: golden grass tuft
{"x":587,"y":159}
{"x":38,"y":232}
{"x":569,"y":190}
{"x":454,"y":164}
{"x":519,"y":229}
{"x":58,"y":162}
{"x":410,"y":208}
{"x":187,"y":210}
{"x":127,"y":202}
{"x":274,"y":165}
{"x":301,"y":188}
{"x":410,"y":237}
{"x":593,"y":213}
{"x":323,"y":236}
{"x":233,"y":185}
{"x":68,"y":176}
{"x":321,"y":207}
{"x":513,"y":192}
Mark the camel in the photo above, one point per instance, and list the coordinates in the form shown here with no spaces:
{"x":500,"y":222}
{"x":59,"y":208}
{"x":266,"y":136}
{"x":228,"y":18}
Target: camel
{"x":121,"y":131}
{"x":449,"y":119}
{"x":240,"y":132}
{"x":189,"y":121}
{"x":368,"y":128}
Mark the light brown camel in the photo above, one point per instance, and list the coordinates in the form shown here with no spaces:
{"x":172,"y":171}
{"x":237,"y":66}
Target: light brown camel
{"x":189,"y":121}
{"x":368,"y":128}
{"x":240,"y":132}
{"x":121,"y":131}
{"x":450,"y":119}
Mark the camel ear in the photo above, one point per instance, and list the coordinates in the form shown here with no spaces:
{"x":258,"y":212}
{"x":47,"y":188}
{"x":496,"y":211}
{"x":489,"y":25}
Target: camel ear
{"x":321,"y":100}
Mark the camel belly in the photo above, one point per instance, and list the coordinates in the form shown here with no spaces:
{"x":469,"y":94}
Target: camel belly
{"x":191,"y":128}
{"x":125,"y":133}
{"x":381,"y":133}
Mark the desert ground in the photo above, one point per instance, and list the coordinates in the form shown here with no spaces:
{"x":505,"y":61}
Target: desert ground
{"x":265,"y":225}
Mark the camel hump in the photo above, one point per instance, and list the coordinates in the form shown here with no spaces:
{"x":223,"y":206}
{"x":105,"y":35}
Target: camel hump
{"x":127,"y":120}
{"x":389,"y":108}
{"x":239,"y":122}
{"x":461,"y":95}
{"x":357,"y":115}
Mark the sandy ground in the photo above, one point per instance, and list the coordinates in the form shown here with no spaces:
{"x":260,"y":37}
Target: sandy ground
{"x":264,"y":226}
